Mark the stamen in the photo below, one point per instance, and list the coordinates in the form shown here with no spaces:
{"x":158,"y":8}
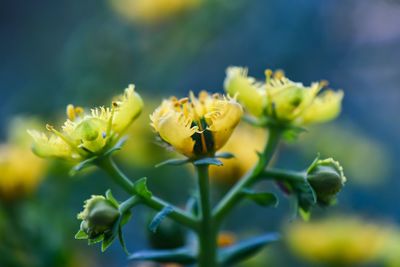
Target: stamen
{"x":279,"y":74}
{"x":79,"y":111}
{"x":268,"y":74}
{"x":323,"y":83}
{"x":110,"y":120}
{"x":183,"y":100}
{"x":70,"y":112}
{"x":63,"y":137}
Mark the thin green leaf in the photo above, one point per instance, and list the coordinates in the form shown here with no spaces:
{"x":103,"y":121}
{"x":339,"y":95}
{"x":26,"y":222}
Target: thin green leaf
{"x":126,"y":217}
{"x":141,"y":188}
{"x":122,"y":241}
{"x":292,"y":133}
{"x":245,"y":249}
{"x":224,"y":155}
{"x":106,"y":243}
{"x":181,"y":256}
{"x":110,"y":236}
{"x":208,"y":161}
{"x":305,"y":195}
{"x":95,"y":240}
{"x":111,"y":198}
{"x":81,"y":235}
{"x":192,"y":205}
{"x":159,"y":218}
{"x":118,"y":146}
{"x":82,"y":165}
{"x":265,"y":199}
{"x":314,"y":163}
{"x":174,"y":162}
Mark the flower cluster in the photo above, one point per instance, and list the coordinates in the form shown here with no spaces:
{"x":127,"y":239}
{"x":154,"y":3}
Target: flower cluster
{"x":86,"y":134}
{"x":281,"y":99}
{"x":194,"y":126}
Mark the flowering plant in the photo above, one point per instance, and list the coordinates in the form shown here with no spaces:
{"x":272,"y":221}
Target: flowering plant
{"x":198,"y":127}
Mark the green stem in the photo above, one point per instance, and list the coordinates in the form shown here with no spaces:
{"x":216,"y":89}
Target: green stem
{"x":234,"y":195}
{"x":129,"y":203}
{"x":281,"y":175}
{"x":180,"y":216}
{"x":207,"y":232}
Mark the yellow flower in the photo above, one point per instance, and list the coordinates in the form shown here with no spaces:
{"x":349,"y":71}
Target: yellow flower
{"x":226,"y":239}
{"x":84,"y":135}
{"x":196,"y":126}
{"x":245,"y":155}
{"x":344,"y":241}
{"x":20,"y":170}
{"x":282,"y":99}
{"x":151,"y":11}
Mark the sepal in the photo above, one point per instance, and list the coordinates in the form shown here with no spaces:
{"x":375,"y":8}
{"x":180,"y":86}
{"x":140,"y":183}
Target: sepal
{"x":180,"y":256}
{"x":245,"y":249}
{"x":264,"y":199}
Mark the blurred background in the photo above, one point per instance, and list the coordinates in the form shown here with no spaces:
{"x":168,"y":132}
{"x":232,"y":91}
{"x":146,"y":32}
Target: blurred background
{"x":58,"y":52}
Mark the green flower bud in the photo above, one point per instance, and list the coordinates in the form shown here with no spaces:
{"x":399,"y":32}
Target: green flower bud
{"x":169,"y":235}
{"x":326,"y":177}
{"x":98,"y":216}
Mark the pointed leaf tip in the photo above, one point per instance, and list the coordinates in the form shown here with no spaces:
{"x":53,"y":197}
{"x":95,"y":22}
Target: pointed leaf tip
{"x":159,"y":218}
{"x":208,"y":161}
{"x":141,"y":188}
{"x":173,"y":162}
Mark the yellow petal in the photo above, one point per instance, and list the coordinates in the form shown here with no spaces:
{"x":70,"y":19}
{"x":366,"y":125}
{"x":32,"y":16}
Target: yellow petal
{"x":325,"y":107}
{"x":291,"y":100}
{"x":52,"y":146}
{"x":175,"y":129}
{"x":222,"y":119}
{"x":248,"y":91}
{"x":128,"y":108}
{"x":21,"y":171}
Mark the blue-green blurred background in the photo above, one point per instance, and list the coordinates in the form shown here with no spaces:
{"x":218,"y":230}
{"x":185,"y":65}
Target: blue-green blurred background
{"x":53,"y":53}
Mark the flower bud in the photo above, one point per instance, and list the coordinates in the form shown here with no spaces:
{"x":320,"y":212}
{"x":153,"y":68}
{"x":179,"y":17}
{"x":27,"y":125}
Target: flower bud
{"x":169,"y":235}
{"x":98,"y":216}
{"x":327,"y":179}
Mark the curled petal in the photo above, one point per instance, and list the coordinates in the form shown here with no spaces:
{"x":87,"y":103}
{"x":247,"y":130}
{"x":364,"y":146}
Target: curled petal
{"x":248,"y":91}
{"x":175,"y":129}
{"x":325,"y":107}
{"x":51,"y":146}
{"x":222,"y":119}
{"x":127,"y":109}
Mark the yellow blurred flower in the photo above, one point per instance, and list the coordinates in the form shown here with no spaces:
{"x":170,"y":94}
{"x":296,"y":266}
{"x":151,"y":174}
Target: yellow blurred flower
{"x":226,"y":239}
{"x":390,"y":255}
{"x":196,"y":126}
{"x":84,"y":135}
{"x":344,"y":241}
{"x":20,"y":170}
{"x":282,"y":99}
{"x":245,"y":155}
{"x":151,"y":11}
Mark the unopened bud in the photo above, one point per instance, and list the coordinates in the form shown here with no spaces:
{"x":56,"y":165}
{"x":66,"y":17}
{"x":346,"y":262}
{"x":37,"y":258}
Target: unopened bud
{"x":98,"y":216}
{"x":327,"y":179}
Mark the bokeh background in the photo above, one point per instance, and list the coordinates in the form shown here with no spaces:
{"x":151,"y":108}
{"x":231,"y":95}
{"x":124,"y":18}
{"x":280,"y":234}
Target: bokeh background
{"x":53,"y":53}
